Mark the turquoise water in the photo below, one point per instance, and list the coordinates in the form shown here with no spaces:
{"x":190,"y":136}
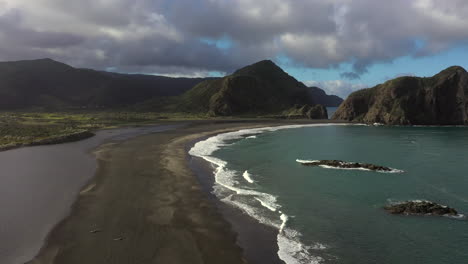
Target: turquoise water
{"x":337,"y":214}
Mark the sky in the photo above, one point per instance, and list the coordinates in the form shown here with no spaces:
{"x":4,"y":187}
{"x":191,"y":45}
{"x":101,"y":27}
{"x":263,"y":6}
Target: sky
{"x":338,"y":45}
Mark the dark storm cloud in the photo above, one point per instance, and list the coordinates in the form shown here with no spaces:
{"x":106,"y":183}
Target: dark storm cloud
{"x":165,"y":35}
{"x":15,"y":35}
{"x":350,"y":75}
{"x":190,"y":54}
{"x":123,"y":34}
{"x":251,"y":21}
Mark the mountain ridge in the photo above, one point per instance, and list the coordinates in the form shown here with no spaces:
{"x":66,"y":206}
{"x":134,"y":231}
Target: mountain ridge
{"x":52,"y":85}
{"x":260,"y":88}
{"x":324,"y":98}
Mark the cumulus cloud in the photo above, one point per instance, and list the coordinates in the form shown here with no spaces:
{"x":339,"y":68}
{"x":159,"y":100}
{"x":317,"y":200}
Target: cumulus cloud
{"x":337,"y":87}
{"x":163,"y":35}
{"x":131,"y":36}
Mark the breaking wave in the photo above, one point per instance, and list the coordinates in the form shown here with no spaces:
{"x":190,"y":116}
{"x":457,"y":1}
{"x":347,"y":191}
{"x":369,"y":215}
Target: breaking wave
{"x":263,"y":207}
{"x":247,"y":177}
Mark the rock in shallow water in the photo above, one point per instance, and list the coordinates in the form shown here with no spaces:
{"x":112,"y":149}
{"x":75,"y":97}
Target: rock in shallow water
{"x":347,"y":165}
{"x":420,"y":208}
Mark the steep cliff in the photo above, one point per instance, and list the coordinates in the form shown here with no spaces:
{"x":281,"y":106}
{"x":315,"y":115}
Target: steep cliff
{"x":437,"y":100}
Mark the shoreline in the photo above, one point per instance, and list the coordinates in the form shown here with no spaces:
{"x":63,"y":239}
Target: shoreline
{"x":132,"y":230}
{"x":49,"y":181}
{"x":262,"y":242}
{"x":258,"y":241}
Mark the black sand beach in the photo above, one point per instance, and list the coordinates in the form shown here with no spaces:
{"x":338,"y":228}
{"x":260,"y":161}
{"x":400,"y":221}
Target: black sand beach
{"x":145,"y":205}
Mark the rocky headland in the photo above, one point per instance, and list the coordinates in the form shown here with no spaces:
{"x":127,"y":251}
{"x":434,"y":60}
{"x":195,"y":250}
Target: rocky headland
{"x":437,"y":100}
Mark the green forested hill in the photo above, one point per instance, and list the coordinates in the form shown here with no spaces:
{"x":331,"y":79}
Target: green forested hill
{"x":51,"y":84}
{"x":260,"y":88}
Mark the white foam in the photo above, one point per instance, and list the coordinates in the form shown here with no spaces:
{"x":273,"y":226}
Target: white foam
{"x":338,"y":168}
{"x":226,"y":178}
{"x":251,"y":137}
{"x":419,"y":201}
{"x":252,"y":212}
{"x":392,"y":171}
{"x":269,"y":205}
{"x":291,"y":250}
{"x":363,"y":169}
{"x":247,"y":177}
{"x":307,"y":161}
{"x":210,"y":145}
{"x":284,"y":219}
{"x":457,"y":217}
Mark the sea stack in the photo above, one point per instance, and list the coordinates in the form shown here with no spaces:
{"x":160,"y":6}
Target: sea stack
{"x":437,"y":100}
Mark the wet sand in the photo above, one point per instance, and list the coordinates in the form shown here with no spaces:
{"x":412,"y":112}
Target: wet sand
{"x":39,"y":184}
{"x":145,"y":205}
{"x":258,"y":241}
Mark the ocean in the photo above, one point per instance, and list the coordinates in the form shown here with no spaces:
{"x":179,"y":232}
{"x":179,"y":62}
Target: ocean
{"x":325,"y":215}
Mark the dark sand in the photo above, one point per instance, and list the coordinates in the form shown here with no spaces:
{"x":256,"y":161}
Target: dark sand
{"x":38,"y":186}
{"x":145,"y":205}
{"x":258,"y":241}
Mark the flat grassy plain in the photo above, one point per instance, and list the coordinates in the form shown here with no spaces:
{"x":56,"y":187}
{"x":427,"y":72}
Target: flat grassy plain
{"x":28,"y":128}
{"x":36,"y":128}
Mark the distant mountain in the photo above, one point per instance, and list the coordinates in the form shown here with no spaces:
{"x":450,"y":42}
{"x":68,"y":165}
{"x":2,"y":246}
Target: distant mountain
{"x":438,"y":100}
{"x":261,"y":88}
{"x":324,"y":99}
{"x":51,"y":84}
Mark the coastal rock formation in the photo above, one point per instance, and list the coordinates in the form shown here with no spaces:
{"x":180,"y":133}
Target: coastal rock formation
{"x":259,"y":89}
{"x":345,"y":165}
{"x":438,"y":100}
{"x":420,"y":208}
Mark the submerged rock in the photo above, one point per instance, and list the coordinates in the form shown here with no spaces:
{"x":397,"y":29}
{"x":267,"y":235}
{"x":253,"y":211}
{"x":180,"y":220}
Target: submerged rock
{"x":346,"y":165}
{"x":420,"y":208}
